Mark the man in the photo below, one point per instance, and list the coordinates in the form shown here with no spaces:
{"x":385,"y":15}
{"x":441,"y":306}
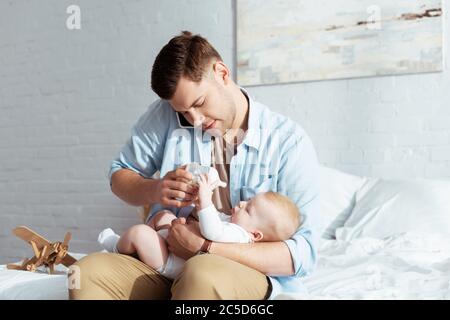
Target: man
{"x":203,"y":116}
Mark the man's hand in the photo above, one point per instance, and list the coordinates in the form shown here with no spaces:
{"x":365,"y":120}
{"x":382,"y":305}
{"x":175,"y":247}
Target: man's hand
{"x":175,"y":190}
{"x":184,"y":240}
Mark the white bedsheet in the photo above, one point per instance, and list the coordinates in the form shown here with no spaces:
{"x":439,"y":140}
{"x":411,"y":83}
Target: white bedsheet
{"x":37,"y":285}
{"x":404,"y":266}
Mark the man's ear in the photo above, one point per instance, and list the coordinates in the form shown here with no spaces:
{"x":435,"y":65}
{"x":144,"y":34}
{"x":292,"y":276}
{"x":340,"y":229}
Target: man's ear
{"x":221,"y":72}
{"x":257,"y":235}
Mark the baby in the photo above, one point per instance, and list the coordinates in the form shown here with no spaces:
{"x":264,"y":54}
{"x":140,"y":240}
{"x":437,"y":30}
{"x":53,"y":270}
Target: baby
{"x":268,"y":216}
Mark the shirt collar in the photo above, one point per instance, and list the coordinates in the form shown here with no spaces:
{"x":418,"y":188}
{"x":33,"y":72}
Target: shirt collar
{"x":252,"y":137}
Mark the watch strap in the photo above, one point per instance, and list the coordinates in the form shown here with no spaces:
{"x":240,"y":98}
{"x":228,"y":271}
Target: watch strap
{"x":206,"y":246}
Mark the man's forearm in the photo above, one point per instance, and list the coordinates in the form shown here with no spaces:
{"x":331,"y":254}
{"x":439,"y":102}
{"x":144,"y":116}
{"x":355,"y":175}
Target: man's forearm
{"x":270,"y":258}
{"x":133,"y":188}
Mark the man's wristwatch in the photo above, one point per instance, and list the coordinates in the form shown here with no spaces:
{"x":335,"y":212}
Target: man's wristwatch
{"x":205,"y":247}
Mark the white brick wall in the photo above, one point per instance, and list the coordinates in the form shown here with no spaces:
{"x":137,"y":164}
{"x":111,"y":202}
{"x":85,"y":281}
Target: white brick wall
{"x":68,"y":100}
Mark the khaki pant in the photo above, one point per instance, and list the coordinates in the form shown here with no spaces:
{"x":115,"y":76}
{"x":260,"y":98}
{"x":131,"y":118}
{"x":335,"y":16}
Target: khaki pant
{"x":208,"y":276}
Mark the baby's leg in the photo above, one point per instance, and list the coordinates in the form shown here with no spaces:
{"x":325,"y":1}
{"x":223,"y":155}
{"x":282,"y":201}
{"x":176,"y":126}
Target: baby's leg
{"x":148,"y":244}
{"x":162,"y":220}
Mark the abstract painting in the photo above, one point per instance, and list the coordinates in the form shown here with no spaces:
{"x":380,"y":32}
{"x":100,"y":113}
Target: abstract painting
{"x":304,"y":40}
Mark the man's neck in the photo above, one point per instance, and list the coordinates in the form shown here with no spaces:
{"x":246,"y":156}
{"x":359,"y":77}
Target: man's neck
{"x":240,"y":124}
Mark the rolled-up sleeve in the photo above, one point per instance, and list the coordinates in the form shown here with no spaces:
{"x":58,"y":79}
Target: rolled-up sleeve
{"x":143,"y":151}
{"x":299,"y":180}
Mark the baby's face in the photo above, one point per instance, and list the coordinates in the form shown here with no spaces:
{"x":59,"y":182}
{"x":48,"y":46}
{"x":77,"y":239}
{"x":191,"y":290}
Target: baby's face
{"x":249,"y":214}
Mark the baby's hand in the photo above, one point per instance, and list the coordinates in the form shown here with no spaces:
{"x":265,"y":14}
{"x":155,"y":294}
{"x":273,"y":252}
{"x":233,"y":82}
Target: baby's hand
{"x":204,"y":193}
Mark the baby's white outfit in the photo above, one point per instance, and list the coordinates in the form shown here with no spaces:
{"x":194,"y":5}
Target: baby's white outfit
{"x":174,"y":264}
{"x":217,"y":227}
{"x":214,"y":225}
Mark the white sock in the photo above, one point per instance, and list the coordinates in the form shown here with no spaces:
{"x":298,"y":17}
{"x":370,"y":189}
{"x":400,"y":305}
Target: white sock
{"x":108,"y":239}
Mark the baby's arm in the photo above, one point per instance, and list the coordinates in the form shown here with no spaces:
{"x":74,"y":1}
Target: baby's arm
{"x":204,"y":193}
{"x":212,"y":227}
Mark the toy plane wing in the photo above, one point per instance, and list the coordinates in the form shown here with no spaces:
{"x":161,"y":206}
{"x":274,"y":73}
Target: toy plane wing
{"x":29,"y":235}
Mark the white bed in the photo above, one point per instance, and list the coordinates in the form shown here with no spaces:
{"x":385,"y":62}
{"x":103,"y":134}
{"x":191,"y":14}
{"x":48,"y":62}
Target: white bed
{"x":24,"y":285}
{"x":381,"y":239}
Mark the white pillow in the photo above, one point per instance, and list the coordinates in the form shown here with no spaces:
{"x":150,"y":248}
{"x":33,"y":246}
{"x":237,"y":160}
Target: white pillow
{"x":388,"y":207}
{"x":337,"y":195}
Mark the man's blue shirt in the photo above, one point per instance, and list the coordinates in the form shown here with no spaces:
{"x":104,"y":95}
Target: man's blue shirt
{"x":275,"y":155}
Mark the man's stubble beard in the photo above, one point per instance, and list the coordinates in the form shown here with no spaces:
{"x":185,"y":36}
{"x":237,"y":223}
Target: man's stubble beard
{"x":231,"y":110}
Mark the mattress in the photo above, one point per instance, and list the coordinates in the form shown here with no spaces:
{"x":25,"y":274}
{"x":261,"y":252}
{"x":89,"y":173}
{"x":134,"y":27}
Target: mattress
{"x":410,"y":265}
{"x":39,"y":285}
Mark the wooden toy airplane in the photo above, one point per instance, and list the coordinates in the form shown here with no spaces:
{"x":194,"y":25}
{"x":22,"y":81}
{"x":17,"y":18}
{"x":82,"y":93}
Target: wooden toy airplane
{"x":45,"y":253}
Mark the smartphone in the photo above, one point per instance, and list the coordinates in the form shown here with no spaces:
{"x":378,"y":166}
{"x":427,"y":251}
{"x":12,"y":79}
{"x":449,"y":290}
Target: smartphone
{"x":182,"y":121}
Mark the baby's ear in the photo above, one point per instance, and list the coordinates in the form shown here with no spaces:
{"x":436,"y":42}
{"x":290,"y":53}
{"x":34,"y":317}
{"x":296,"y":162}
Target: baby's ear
{"x":257,"y":235}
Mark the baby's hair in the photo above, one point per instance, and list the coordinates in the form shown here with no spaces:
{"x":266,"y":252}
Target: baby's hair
{"x":287,"y":218}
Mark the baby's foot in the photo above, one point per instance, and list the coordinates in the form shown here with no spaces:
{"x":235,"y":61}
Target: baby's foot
{"x":108,"y":240}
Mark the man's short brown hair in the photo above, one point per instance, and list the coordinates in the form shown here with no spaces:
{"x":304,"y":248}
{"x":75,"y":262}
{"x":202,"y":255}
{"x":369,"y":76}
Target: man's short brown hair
{"x":184,"y":55}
